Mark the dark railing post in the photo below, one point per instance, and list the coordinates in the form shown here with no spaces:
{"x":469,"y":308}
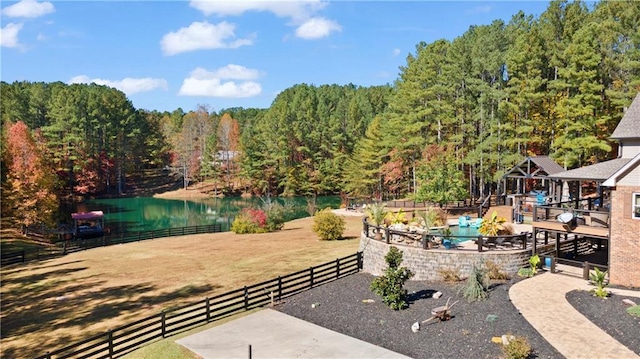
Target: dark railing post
{"x":208,"y":305}
{"x":479,"y":243}
{"x":585,"y":270}
{"x":424,"y":241}
{"x":279,"y":288}
{"x":359,"y":261}
{"x":553,"y":264}
{"x":163,"y":323}
{"x":337,"y":268}
{"x":310,"y":277}
{"x":387,"y":234}
{"x":246,"y":298}
{"x":110,"y":339}
{"x":249,"y":351}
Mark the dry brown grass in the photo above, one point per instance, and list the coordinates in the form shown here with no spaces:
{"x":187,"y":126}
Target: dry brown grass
{"x":49,"y":304}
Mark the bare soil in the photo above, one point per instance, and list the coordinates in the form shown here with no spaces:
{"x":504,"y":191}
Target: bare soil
{"x":49,"y":304}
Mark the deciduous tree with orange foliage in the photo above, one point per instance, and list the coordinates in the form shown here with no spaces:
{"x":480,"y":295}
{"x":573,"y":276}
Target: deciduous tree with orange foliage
{"x":28,"y":195}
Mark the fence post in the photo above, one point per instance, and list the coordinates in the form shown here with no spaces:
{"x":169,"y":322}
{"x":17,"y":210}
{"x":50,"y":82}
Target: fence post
{"x":208,"y":305}
{"x":387,"y":234}
{"x":337,"y":268}
{"x":424,"y":241}
{"x":110,"y":338}
{"x":163,"y":323}
{"x":310,"y":277}
{"x":479,"y":243}
{"x":553,"y":264}
{"x":24,"y":256}
{"x":585,"y":270}
{"x":279,"y":288}
{"x":246,"y":298}
{"x":359,"y":260}
{"x":249,"y":351}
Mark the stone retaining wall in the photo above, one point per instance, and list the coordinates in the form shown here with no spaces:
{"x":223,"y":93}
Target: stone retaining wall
{"x":426,"y":263}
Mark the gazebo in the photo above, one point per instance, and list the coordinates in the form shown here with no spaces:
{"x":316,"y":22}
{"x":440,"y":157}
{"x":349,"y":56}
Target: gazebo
{"x":529,"y":183}
{"x":88,"y":224}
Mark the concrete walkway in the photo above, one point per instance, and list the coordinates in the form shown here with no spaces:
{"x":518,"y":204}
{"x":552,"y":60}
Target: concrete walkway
{"x":541,"y":300}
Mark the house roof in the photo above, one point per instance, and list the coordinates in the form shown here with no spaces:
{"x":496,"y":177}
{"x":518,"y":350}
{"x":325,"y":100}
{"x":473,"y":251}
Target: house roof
{"x":629,"y":125}
{"x":87,"y":215}
{"x":613,"y":179}
{"x":596,"y":172}
{"x":534,"y":167}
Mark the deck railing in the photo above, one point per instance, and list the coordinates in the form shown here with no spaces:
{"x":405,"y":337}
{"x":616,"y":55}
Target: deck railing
{"x":437,"y":240}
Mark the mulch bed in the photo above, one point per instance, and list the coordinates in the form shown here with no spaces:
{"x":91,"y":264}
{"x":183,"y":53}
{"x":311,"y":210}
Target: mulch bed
{"x":341,"y":306}
{"x":610,"y":314}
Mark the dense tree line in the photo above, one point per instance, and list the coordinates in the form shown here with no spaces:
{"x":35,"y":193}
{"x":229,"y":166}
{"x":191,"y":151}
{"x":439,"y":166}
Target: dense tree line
{"x":460,"y":114}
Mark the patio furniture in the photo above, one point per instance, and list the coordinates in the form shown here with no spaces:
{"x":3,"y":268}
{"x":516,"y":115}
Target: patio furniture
{"x":463,"y":221}
{"x":477,"y":223}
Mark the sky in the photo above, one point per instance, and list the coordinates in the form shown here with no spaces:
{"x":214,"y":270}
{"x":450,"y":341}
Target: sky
{"x":222,"y":54}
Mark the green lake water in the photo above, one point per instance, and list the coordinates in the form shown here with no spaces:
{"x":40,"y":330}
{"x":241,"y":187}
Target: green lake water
{"x":148,"y":213}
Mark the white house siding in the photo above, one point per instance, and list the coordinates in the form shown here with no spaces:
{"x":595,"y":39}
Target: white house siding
{"x":631,"y":179}
{"x":629,"y":148}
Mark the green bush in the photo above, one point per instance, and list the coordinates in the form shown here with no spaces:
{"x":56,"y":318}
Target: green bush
{"x":242,"y":224}
{"x":276,"y":215}
{"x":477,"y":285}
{"x":517,"y":348}
{"x":390,"y":286}
{"x":328,"y":225}
{"x":634,"y":310}
{"x":598,"y":278}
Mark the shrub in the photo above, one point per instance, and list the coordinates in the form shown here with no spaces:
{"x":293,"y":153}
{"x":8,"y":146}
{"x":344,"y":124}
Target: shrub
{"x":477,"y":285}
{"x":534,"y":262}
{"x":494,"y":271}
{"x":243,"y":224}
{"x":390,"y":286}
{"x":517,"y":348}
{"x":449,"y":275}
{"x":328,"y":225}
{"x":634,"y":310}
{"x":598,"y":278}
{"x":495,"y":226}
{"x":276,"y":215}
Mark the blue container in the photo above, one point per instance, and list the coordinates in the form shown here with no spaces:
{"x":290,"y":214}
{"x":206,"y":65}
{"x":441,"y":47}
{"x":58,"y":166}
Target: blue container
{"x":447,"y":244}
{"x":547,"y":262}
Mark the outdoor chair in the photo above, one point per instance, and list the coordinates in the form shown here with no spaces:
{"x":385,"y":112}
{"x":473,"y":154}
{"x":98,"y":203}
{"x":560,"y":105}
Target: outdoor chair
{"x":477,"y":223}
{"x":463,"y":221}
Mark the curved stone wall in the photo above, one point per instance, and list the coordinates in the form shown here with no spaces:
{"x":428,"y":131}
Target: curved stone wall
{"x":426,"y":263}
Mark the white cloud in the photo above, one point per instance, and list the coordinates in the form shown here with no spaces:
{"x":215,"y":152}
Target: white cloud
{"x":28,"y":8}
{"x":296,"y":10}
{"x":316,"y":28}
{"x":201,"y":35}
{"x":127,"y":85}
{"x":396,"y":52}
{"x":9,"y":35}
{"x":210,"y":83}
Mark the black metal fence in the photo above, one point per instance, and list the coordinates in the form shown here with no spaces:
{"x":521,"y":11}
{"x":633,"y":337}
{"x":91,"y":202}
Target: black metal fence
{"x":126,"y":338}
{"x":13,"y":257}
{"x":74,"y":245}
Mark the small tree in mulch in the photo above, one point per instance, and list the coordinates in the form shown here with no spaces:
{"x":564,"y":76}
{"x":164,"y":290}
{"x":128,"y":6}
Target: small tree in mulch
{"x":477,"y":285}
{"x":390,"y":286}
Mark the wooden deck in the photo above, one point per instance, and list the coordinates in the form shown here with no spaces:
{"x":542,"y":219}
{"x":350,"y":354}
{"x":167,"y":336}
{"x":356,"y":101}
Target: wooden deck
{"x":596,"y":232}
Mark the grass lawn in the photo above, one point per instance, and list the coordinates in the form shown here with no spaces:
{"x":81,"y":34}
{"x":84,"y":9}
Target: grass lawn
{"x":49,"y":304}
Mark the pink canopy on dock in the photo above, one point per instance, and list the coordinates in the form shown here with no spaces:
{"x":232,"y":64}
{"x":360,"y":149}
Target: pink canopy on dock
{"x":87,"y":215}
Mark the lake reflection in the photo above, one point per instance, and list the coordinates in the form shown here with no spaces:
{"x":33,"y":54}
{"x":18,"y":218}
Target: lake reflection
{"x":148,"y":213}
